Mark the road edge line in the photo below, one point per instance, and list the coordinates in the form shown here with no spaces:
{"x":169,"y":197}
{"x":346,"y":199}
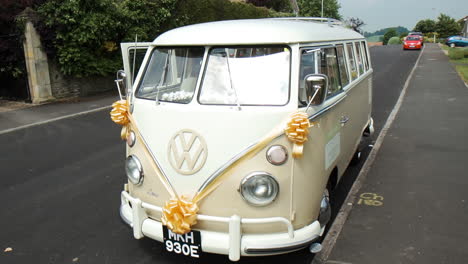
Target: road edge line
{"x":54,"y":119}
{"x":333,"y":233}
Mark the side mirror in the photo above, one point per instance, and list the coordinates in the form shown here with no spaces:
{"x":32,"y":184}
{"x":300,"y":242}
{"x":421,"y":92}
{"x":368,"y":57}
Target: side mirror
{"x":316,"y":88}
{"x":121,"y":82}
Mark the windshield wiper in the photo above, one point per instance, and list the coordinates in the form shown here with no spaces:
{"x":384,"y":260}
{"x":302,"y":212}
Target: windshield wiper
{"x":230,"y":80}
{"x":163,"y":79}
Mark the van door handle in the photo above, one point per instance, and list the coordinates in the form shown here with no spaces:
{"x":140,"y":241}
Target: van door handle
{"x":344,"y":120}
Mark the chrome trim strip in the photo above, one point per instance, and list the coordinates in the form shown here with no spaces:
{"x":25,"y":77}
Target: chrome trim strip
{"x":156,"y":161}
{"x":284,"y":248}
{"x":225,"y":166}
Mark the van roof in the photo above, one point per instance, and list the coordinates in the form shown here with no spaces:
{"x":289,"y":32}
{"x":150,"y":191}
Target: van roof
{"x":256,"y":31}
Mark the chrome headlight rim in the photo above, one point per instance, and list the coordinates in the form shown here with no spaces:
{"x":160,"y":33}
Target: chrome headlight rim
{"x":255,"y":201}
{"x":139,"y":167}
{"x":271,"y":150}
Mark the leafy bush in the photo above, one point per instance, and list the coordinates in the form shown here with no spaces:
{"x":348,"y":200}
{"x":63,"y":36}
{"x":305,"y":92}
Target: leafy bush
{"x":394,"y":41}
{"x":456,"y":54}
{"x":85,"y":34}
{"x":465,"y":52}
{"x":11,"y":37}
{"x":388,"y":35}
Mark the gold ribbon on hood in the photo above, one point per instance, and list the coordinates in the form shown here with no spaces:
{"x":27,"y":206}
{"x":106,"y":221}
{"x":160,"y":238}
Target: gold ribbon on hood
{"x":297,"y":130}
{"x":119,"y":114}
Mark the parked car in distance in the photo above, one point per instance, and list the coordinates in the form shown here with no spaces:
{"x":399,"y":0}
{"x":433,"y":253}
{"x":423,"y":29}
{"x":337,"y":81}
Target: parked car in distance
{"x":417,"y":34}
{"x":456,"y":41}
{"x":412,"y":42}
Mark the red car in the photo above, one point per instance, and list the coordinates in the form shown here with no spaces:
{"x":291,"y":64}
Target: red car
{"x":412,"y":42}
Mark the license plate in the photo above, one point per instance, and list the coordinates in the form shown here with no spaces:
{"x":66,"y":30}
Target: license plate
{"x":411,"y":46}
{"x":188,"y":244}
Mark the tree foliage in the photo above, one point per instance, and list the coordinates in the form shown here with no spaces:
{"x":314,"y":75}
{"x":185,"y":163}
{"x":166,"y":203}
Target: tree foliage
{"x":398,"y":29}
{"x":313,"y":8}
{"x":425,"y":26}
{"x":85,"y":34}
{"x":394,"y":41}
{"x":277,"y":5}
{"x":447,"y":26}
{"x":11,"y":36}
{"x":355,"y":23}
{"x":388,"y":35}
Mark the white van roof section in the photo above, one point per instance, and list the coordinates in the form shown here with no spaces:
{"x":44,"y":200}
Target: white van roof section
{"x":256,"y":31}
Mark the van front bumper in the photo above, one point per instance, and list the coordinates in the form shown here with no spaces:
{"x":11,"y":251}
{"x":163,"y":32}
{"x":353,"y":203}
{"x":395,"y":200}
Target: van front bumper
{"x":234,"y":243}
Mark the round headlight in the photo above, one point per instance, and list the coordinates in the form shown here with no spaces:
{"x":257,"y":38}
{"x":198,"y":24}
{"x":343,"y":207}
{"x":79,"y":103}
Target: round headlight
{"x":277,"y":155}
{"x":259,"y":188}
{"x":134,"y":170}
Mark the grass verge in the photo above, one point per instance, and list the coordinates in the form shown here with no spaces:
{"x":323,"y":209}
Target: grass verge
{"x":461,"y":69}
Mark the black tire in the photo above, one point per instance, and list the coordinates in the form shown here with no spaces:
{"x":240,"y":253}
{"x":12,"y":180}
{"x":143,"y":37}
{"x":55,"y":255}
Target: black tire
{"x":357,"y":155}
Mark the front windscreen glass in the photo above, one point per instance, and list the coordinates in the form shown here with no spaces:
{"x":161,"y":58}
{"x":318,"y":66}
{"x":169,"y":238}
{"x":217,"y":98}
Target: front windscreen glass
{"x":256,"y":75}
{"x":171,"y":74}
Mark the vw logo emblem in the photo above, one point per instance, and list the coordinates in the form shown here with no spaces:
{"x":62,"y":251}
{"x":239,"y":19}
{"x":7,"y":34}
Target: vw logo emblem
{"x":187,"y":152}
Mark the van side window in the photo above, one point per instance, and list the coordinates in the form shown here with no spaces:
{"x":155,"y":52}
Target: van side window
{"x":329,"y":66}
{"x":364,"y":55}
{"x":308,"y":63}
{"x":359,"y":61}
{"x":352,"y":62}
{"x":342,"y":65}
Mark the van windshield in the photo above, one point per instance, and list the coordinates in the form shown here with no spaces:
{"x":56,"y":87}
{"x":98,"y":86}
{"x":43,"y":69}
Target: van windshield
{"x":246,"y":76}
{"x":171,"y":74}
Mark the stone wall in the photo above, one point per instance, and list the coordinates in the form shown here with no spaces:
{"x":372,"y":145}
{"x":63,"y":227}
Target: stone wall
{"x":66,"y":86}
{"x":46,"y":82}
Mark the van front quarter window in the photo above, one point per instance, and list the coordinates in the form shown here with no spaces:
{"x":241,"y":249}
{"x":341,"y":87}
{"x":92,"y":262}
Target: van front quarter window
{"x":171,"y":74}
{"x":246,"y":76}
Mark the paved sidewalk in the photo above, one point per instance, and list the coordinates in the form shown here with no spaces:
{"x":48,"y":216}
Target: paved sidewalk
{"x":413,"y":205}
{"x":17,"y":115}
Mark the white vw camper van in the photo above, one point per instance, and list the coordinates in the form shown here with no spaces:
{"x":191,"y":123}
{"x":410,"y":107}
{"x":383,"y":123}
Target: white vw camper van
{"x":236,"y":132}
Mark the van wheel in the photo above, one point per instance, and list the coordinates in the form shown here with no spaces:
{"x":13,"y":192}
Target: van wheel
{"x":358,"y":154}
{"x":325,"y":208}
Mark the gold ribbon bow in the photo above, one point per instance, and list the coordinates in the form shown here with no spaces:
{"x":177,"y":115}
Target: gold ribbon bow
{"x":119,"y":114}
{"x":297,"y":130}
{"x":179,"y":215}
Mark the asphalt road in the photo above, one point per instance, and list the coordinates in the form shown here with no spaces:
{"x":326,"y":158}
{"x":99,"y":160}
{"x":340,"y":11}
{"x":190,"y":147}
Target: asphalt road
{"x":61,"y":186}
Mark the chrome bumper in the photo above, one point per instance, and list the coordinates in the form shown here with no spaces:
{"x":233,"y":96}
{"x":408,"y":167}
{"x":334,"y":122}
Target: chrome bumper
{"x":234,"y":243}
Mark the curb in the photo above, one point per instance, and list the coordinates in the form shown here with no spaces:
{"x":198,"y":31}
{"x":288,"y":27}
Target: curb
{"x":333,"y":233}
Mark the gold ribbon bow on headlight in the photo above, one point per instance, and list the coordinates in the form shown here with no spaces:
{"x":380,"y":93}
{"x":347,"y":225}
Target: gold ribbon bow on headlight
{"x":179,"y":215}
{"x":119,"y":114}
{"x":297,"y":130}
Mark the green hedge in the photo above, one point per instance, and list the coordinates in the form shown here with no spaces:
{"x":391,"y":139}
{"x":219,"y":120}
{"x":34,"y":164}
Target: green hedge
{"x":394,"y":41}
{"x":456,"y":54}
{"x":86,"y":34}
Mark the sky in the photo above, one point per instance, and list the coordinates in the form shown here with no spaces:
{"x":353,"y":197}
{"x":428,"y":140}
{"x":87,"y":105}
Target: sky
{"x":379,"y":14}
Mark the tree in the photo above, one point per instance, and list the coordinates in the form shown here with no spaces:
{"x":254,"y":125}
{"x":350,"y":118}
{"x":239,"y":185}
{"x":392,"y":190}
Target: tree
{"x":389,"y":34}
{"x":313,"y":8}
{"x":425,"y":26}
{"x":356,"y":24}
{"x":277,"y":5}
{"x":447,"y":26}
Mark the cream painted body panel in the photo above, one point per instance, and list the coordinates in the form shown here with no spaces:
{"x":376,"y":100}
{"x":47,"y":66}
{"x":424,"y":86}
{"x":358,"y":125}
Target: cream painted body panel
{"x":226,"y":130}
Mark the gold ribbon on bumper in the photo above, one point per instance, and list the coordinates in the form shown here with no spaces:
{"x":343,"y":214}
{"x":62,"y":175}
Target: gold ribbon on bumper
{"x":179,"y":215}
{"x":119,"y":114}
{"x":297,"y":130}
